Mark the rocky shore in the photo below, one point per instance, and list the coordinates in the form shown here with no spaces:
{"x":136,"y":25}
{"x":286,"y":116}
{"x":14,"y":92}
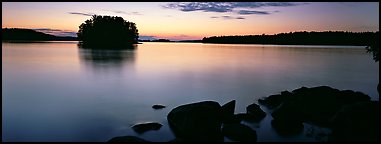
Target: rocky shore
{"x":351,"y":116}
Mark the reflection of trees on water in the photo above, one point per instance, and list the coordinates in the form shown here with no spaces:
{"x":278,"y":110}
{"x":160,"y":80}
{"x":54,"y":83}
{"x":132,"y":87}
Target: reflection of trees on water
{"x":101,"y":60}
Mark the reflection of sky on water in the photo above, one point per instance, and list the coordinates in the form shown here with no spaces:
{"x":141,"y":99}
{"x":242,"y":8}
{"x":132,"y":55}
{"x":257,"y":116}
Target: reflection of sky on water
{"x":57,"y":92}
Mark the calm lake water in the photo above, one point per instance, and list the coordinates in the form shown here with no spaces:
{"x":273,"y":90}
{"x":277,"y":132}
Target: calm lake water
{"x":54,"y":91}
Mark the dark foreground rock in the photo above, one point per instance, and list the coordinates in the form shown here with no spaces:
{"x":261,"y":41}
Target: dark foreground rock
{"x":237,"y":118}
{"x":317,"y":105}
{"x":287,"y":127}
{"x":197,"y":121}
{"x":127,"y":139}
{"x":143,"y":127}
{"x":273,"y":101}
{"x":158,"y":106}
{"x":176,"y":140}
{"x":357,"y":123}
{"x":239,"y":132}
{"x":228,"y":111}
{"x":256,"y":112}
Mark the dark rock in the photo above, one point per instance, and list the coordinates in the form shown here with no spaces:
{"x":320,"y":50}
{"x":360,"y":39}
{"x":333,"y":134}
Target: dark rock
{"x":248,"y":117}
{"x":287,"y":127}
{"x":289,"y":112}
{"x":357,"y":123}
{"x":256,"y":112}
{"x":143,"y":127}
{"x":197,"y":121}
{"x":228,"y":111}
{"x":272,"y":101}
{"x":351,"y":97}
{"x":302,"y":89}
{"x":285,"y":93}
{"x":158,"y":106}
{"x":317,"y":105}
{"x":176,"y":140}
{"x":237,"y":118}
{"x":239,"y":132}
{"x":287,"y":119}
{"x":127,"y":139}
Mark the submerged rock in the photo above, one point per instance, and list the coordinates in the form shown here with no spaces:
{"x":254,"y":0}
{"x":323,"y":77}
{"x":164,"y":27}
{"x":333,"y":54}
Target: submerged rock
{"x":143,"y":127}
{"x":239,"y":132}
{"x":127,"y":139}
{"x":199,"y":121}
{"x":158,"y":106}
{"x":256,"y":112}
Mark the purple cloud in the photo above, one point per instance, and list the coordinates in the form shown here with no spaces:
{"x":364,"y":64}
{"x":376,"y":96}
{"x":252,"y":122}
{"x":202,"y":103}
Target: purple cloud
{"x":57,"y":32}
{"x":227,"y":17}
{"x":123,"y":12}
{"x":200,"y":6}
{"x":143,"y":37}
{"x":223,"y":7}
{"x":80,"y":13}
{"x":249,"y":12}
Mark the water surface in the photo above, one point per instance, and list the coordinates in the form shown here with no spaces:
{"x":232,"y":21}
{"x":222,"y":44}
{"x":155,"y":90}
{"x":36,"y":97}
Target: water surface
{"x":57,"y":92}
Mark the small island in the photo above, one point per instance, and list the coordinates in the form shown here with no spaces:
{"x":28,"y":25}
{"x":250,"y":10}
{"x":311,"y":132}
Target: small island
{"x":105,"y":32}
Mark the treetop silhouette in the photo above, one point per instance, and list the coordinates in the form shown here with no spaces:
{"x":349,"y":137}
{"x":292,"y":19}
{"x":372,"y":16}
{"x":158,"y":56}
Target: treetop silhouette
{"x":107,"y":32}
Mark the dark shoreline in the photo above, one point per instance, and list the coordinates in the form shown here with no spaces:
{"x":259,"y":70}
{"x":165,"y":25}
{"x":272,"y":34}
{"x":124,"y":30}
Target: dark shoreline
{"x":49,"y":41}
{"x":300,"y":38}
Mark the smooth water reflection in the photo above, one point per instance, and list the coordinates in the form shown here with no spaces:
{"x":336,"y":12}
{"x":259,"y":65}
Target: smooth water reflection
{"x":58,"y":92}
{"x":106,"y":61}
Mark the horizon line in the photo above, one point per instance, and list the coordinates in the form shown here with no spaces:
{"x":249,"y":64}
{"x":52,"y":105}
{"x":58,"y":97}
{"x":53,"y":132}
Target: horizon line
{"x":206,"y":36}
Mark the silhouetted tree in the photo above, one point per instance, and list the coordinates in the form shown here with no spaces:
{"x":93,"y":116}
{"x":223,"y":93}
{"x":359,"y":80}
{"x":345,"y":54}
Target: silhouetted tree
{"x":374,"y":47}
{"x":107,"y":31}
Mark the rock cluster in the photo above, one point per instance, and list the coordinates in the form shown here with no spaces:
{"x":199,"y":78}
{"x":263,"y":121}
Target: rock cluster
{"x":351,"y":116}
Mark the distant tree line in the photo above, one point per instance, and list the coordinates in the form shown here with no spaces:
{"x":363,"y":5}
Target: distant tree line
{"x":12,"y":34}
{"x":300,"y":38}
{"x":191,"y":41}
{"x":161,"y":40}
{"x":167,"y":40}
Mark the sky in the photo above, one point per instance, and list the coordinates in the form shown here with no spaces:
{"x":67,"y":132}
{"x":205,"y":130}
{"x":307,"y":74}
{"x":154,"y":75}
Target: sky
{"x":195,"y":20}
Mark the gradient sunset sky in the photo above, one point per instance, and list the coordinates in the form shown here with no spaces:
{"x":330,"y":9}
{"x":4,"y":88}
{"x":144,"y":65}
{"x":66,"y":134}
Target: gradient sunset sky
{"x":195,"y":20}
